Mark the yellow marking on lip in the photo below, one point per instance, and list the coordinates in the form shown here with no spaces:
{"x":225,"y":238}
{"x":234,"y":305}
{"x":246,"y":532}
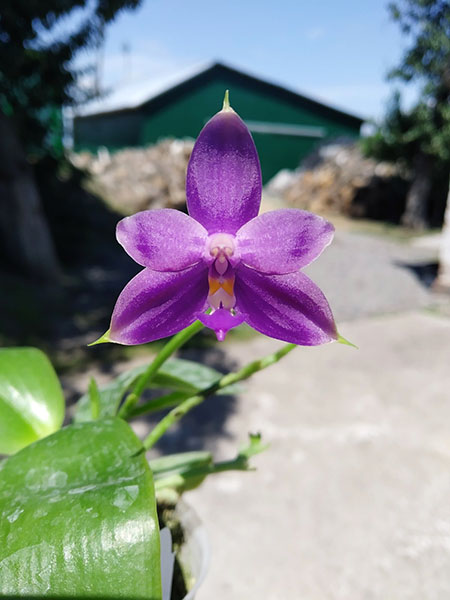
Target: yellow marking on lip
{"x":214,"y":285}
{"x":227,"y":285}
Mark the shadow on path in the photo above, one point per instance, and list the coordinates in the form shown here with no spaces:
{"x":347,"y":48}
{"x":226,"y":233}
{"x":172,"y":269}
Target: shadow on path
{"x":425,"y":272}
{"x":205,"y":425}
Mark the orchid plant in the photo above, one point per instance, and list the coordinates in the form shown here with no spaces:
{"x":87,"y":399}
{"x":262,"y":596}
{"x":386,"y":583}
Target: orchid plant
{"x":78,"y":504}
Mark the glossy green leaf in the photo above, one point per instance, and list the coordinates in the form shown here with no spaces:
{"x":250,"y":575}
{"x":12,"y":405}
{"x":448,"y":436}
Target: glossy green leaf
{"x":78,"y":516}
{"x":31,"y":399}
{"x":190,"y":375}
{"x":176,"y":374}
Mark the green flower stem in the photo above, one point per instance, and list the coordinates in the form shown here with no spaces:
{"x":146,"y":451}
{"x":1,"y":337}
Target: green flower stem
{"x":174,"y":481}
{"x":166,"y":352}
{"x":187,"y":405}
{"x":187,"y":478}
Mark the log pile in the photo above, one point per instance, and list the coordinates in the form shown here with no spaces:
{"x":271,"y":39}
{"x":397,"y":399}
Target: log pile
{"x":137,"y":179}
{"x":338,"y":179}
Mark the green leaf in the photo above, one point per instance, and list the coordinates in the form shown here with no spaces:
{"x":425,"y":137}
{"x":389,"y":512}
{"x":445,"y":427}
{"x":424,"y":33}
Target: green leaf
{"x":176,"y":374}
{"x":193,"y":375}
{"x":78,"y":516}
{"x":31,"y":398}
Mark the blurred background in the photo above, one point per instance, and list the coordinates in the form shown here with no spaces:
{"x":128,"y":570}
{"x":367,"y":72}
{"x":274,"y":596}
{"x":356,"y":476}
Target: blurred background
{"x":348,"y":104}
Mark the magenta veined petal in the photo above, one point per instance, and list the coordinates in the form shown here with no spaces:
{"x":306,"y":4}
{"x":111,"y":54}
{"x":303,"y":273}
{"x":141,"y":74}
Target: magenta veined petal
{"x":286,"y":307}
{"x":283,"y":241}
{"x":223,"y":184}
{"x":154,"y":305}
{"x":163,"y":240}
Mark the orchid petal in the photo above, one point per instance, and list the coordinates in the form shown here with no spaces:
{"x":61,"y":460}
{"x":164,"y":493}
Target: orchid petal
{"x":221,"y":321}
{"x":223,"y":184}
{"x":286,"y":307}
{"x":283,"y":241}
{"x":154,"y":305}
{"x":163,"y":240}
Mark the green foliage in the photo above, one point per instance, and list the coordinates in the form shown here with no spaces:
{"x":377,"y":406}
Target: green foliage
{"x":37,"y":71}
{"x":31,"y":399}
{"x":176,"y":375}
{"x":427,"y":25}
{"x":425,"y":129}
{"x":78,"y":507}
{"x":404,"y":134}
{"x":79,"y":517}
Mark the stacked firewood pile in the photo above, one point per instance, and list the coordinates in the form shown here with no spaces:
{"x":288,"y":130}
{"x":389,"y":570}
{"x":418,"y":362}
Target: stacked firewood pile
{"x":338,"y":179}
{"x":136,"y":179}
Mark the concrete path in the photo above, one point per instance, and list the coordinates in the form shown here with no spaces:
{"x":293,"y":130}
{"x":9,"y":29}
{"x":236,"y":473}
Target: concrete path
{"x":352,"y":500}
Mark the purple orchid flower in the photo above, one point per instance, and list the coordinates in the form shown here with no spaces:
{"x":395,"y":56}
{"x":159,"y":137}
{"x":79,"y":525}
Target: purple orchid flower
{"x":223,"y":264}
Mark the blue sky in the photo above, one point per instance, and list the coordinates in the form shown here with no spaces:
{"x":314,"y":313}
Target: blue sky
{"x":338,"y":52}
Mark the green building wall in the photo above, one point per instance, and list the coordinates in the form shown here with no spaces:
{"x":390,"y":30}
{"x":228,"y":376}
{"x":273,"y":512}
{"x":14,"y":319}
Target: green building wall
{"x":185,"y":115}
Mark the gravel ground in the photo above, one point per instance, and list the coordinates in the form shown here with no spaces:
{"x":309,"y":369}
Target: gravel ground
{"x":363,"y":275}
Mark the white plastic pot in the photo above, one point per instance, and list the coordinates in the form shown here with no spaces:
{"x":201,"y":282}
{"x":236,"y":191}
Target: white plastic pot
{"x":194,"y":555}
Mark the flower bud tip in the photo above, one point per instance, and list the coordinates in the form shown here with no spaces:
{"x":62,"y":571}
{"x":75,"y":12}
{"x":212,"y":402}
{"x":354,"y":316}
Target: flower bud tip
{"x":226,"y":101}
{"x":342,"y":340}
{"x":102,"y":340}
